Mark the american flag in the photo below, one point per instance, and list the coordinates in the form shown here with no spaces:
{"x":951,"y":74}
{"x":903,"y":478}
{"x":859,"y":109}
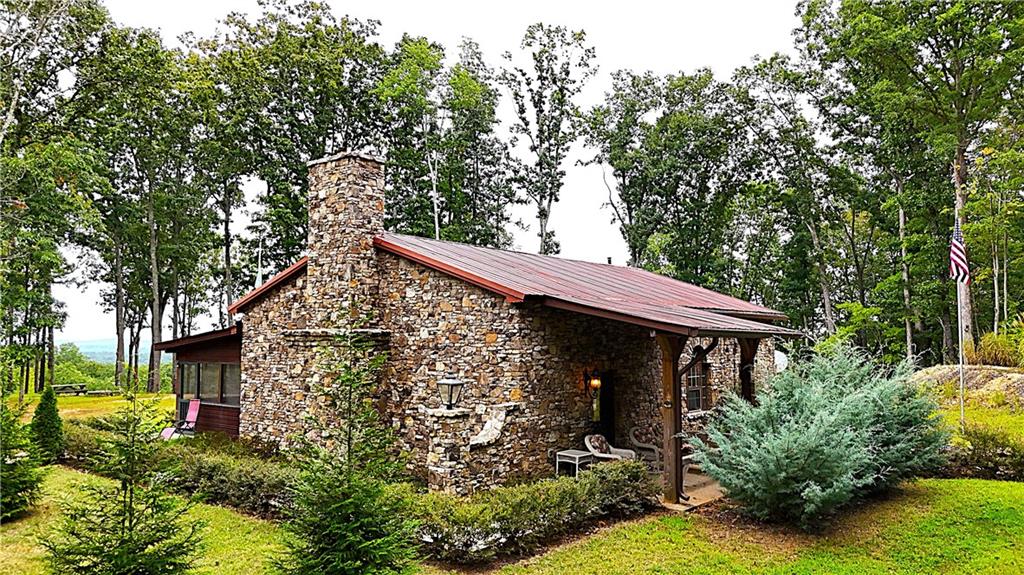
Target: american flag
{"x":958,"y":269}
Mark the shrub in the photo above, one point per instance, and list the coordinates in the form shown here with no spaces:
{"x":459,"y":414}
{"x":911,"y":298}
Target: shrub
{"x":210,"y":467}
{"x":519,"y":519}
{"x":827,"y":432}
{"x":230,"y":476}
{"x":20,"y":475}
{"x":994,"y":349}
{"x":989,"y":453}
{"x":47,"y":429}
{"x":133,"y":526}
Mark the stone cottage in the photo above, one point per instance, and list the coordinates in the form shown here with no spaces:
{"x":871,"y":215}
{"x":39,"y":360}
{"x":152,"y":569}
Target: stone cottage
{"x":525,"y":335}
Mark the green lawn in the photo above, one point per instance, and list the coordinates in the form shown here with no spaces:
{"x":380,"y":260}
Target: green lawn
{"x":933,"y":526}
{"x":977,"y":414}
{"x":78,"y":406}
{"x":235,"y":543}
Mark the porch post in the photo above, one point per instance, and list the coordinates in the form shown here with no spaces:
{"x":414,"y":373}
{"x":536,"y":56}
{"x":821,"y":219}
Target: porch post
{"x":671,"y":411}
{"x":748,"y":352}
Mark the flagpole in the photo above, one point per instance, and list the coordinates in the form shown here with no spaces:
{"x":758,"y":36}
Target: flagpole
{"x":960,"y":336}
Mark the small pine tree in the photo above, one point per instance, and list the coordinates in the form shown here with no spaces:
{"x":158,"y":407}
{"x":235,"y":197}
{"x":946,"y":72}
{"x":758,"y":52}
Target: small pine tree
{"x":134,"y":526}
{"x":47,"y":428}
{"x":20,"y":475}
{"x":343,"y":519}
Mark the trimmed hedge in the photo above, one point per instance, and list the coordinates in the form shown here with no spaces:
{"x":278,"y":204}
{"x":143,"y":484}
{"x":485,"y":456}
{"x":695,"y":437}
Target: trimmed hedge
{"x":513,"y":520}
{"x":208,"y":467}
{"x":519,"y":519}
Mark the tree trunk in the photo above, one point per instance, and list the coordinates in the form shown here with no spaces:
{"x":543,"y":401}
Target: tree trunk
{"x":53,"y":357}
{"x":948,"y":345}
{"x":995,"y":289}
{"x":156,"y":311}
{"x":826,"y":292}
{"x":228,"y":287}
{"x":119,"y":316}
{"x":41,"y":370}
{"x":905,"y":276}
{"x":963,"y":290}
{"x":1006,"y":266}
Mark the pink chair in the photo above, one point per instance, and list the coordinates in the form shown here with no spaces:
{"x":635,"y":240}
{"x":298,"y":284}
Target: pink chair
{"x":188,"y":426}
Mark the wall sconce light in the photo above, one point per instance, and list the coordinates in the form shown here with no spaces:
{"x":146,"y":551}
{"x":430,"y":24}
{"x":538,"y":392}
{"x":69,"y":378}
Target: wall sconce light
{"x":592,"y":384}
{"x":450,"y":388}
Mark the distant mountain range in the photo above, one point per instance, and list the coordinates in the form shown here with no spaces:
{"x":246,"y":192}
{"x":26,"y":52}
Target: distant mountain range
{"x":103,"y":350}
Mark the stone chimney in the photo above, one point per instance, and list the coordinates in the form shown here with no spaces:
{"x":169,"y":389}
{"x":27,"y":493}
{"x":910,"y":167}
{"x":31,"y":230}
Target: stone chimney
{"x":346,"y":211}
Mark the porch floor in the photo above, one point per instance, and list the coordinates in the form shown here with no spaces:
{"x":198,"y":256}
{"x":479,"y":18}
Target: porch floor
{"x":701,"y":489}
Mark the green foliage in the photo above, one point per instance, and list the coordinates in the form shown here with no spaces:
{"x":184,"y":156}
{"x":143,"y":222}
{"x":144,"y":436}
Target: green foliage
{"x":19,"y":465}
{"x":237,"y":477}
{"x":988,"y":453}
{"x":994,"y":349}
{"x":829,"y":431}
{"x":519,"y":519}
{"x":343,"y":519}
{"x":47,"y":428}
{"x":133,"y":526}
{"x":208,"y":467}
{"x":547,"y":115}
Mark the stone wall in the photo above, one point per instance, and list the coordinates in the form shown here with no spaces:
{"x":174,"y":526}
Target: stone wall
{"x":524,"y":366}
{"x":275,"y":380}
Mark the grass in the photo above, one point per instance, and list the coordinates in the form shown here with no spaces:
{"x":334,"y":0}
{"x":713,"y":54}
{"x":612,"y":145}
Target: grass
{"x":80,"y":406}
{"x":1000,"y":418}
{"x":234,"y":544}
{"x":933,"y":526}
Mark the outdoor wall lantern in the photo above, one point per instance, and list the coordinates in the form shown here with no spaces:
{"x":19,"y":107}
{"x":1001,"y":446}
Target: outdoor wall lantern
{"x":592,"y":381}
{"x":449,"y":388}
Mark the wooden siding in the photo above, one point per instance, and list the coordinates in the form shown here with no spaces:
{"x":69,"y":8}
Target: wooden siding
{"x":216,"y":417}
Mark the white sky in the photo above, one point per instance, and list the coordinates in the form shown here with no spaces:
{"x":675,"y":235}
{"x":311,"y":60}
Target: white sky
{"x":663,"y":37}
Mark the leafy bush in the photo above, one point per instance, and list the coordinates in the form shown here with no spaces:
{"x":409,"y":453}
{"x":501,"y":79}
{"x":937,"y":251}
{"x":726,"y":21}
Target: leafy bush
{"x":209,"y":467}
{"x":519,"y":519}
{"x":988,"y":453}
{"x":994,"y":349}
{"x":20,"y":475}
{"x":133,"y":526}
{"x":246,"y":482}
{"x":828,"y":431}
{"x":47,"y":430}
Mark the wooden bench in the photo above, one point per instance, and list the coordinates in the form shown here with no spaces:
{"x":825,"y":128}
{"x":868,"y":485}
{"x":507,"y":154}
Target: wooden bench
{"x":69,"y":389}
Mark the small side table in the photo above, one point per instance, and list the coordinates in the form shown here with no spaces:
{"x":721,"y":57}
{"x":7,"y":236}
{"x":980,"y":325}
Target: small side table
{"x":575,"y":457}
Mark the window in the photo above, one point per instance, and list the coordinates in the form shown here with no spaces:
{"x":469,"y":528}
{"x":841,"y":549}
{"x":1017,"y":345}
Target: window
{"x":188,"y":380}
{"x":232,"y":383}
{"x":698,"y":391}
{"x":209,"y":382}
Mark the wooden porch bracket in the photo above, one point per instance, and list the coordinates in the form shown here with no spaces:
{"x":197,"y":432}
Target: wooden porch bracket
{"x":671,"y":411}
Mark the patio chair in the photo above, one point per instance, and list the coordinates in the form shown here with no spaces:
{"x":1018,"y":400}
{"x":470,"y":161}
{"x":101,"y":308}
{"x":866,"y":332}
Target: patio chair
{"x":598,"y":446}
{"x":641,"y":442}
{"x":186,"y":426}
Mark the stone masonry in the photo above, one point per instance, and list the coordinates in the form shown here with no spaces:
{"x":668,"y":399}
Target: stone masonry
{"x":523,"y":363}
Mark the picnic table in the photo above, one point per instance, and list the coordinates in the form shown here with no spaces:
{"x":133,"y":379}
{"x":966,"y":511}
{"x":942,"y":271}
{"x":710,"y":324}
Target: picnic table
{"x":69,"y":389}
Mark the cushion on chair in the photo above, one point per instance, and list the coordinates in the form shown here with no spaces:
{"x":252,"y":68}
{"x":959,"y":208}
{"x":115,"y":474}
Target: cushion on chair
{"x":599,"y":443}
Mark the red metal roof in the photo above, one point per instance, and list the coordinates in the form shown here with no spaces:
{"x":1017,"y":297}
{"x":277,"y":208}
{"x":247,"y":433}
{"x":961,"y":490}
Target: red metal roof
{"x":600,"y":289}
{"x":258,"y":293}
{"x":205,"y":337}
{"x":627,"y":294}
